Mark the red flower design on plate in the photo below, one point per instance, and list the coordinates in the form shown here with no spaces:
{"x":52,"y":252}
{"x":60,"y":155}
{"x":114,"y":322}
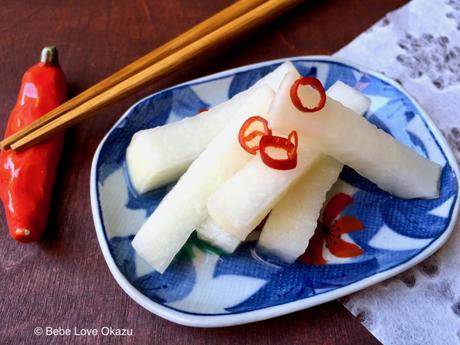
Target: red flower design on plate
{"x":330,"y":230}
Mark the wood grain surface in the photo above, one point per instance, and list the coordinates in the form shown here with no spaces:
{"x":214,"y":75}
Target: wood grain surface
{"x":63,"y":280}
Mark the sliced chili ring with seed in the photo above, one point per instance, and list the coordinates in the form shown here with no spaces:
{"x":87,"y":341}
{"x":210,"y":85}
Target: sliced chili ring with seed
{"x":315,"y":84}
{"x":247,"y":134}
{"x":271,"y":141}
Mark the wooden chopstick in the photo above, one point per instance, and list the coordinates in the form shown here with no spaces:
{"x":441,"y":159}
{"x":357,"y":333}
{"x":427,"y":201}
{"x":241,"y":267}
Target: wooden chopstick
{"x":258,"y":15}
{"x":221,"y":18}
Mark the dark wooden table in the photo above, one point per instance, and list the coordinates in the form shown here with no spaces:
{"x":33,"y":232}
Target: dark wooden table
{"x":63,"y":281}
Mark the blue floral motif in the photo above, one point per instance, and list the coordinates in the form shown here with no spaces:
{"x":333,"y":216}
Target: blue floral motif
{"x":419,"y":146}
{"x":186,"y":103}
{"x":244,"y":80}
{"x":379,"y":123}
{"x":174,"y":284}
{"x":148,"y":201}
{"x":286,"y":283}
{"x":372,"y":206}
{"x":337,"y":72}
{"x":411,"y":218}
{"x":377,"y":87}
{"x":306,"y":71}
{"x":123,"y":255}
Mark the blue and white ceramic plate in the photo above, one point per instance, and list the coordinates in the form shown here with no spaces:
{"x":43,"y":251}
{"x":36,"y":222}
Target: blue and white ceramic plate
{"x":204,"y":289}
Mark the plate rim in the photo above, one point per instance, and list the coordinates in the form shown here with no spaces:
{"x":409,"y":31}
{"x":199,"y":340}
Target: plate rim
{"x":212,"y":321}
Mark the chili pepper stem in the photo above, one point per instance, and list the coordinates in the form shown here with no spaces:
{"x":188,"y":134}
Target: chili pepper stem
{"x":49,"y":56}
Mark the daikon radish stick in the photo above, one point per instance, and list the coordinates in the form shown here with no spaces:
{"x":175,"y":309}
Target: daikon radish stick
{"x":184,"y":207}
{"x":292,"y":222}
{"x":356,"y":142}
{"x":160,"y":155}
{"x":244,"y":200}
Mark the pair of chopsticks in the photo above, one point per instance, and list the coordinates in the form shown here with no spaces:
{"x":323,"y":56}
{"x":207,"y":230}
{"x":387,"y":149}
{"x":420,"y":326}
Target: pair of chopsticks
{"x":233,"y":20}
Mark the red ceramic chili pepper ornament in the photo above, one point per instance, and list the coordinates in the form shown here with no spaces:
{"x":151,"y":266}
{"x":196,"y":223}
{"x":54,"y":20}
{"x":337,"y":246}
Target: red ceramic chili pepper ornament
{"x":27,"y":177}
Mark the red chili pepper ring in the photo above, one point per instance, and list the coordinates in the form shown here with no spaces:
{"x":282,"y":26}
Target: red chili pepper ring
{"x":285,"y":144}
{"x":294,"y":138}
{"x":315,"y":84}
{"x":246,"y":135}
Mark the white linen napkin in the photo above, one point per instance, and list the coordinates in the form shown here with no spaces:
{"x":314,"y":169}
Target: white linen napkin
{"x":418,"y":45}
